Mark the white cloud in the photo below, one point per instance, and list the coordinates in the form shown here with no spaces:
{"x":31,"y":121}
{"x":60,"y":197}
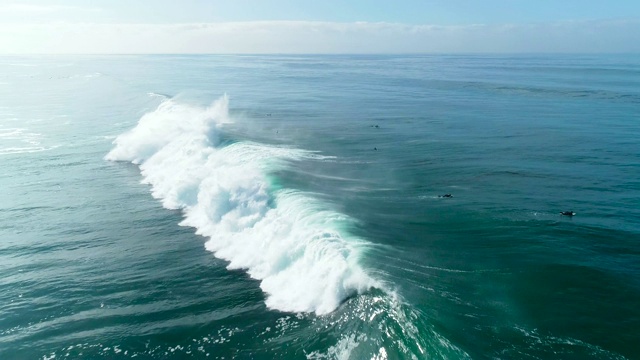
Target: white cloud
{"x":33,"y":8}
{"x":319,"y":37}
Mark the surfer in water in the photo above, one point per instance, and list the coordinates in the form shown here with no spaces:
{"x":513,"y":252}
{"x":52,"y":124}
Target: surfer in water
{"x":567,"y":213}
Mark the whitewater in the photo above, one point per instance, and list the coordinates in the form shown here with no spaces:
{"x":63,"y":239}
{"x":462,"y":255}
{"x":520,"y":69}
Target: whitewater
{"x":299,"y":249}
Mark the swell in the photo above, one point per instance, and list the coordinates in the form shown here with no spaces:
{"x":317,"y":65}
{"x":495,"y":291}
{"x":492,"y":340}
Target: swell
{"x":299,"y":249}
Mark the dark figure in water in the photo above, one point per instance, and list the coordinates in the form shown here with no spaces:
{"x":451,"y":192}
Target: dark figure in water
{"x":446,"y":196}
{"x":567,"y":213}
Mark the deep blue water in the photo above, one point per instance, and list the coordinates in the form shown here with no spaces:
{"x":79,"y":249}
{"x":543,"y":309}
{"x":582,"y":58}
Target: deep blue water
{"x":285,"y":207}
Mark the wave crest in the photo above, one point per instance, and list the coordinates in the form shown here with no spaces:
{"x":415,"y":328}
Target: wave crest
{"x":294,"y":244}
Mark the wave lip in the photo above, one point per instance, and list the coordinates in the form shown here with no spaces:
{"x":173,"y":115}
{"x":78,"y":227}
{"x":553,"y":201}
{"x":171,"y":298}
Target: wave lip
{"x":294,"y":244}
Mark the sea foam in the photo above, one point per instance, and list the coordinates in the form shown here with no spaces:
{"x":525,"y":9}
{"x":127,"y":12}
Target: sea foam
{"x":295,"y":245}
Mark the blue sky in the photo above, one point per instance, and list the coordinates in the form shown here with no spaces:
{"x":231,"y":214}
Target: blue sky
{"x":333,"y":26}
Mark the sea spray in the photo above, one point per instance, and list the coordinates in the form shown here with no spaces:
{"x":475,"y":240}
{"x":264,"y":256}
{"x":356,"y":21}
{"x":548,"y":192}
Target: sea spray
{"x":170,"y":121}
{"x":294,"y":244}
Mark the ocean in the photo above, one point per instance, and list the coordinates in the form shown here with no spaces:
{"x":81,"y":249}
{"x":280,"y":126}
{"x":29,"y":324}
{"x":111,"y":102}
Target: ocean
{"x":293,"y":207}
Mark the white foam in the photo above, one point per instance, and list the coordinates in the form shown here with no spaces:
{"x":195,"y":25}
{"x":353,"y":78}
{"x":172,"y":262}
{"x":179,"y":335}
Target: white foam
{"x":21,"y":140}
{"x":23,"y":150}
{"x":341,"y":351}
{"x":293,"y":243}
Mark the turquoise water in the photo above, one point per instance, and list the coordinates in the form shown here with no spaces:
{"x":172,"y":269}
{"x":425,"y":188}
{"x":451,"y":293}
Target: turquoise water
{"x":287,"y":207}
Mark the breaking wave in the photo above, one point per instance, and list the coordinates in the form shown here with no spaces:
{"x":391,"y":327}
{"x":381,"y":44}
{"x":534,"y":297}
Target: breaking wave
{"x":297,"y":247}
